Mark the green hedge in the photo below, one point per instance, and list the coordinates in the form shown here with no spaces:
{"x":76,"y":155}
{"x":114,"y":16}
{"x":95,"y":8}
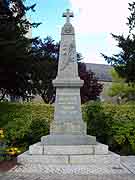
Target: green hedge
{"x":24,"y":124}
{"x":114,"y":125}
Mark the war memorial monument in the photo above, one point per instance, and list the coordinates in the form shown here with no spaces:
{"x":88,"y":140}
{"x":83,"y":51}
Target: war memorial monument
{"x":68,"y":142}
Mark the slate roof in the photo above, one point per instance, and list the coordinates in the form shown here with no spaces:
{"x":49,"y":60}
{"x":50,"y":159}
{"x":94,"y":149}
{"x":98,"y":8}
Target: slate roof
{"x":101,"y":71}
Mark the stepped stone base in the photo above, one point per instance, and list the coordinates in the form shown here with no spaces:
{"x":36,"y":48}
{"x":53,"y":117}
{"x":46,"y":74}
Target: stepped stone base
{"x":68,"y":140}
{"x":70,"y":155}
{"x":40,"y":149}
{"x":68,"y":127}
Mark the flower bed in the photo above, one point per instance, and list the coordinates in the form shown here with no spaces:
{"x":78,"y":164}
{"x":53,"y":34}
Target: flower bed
{"x":6,"y":165}
{"x":7,"y":154}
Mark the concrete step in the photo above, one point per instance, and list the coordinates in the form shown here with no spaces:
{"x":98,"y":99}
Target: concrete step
{"x":40,"y":149}
{"x":109,"y":159}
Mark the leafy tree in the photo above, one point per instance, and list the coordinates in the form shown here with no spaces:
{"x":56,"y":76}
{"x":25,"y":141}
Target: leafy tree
{"x":15,"y":48}
{"x":124,"y":62}
{"x":131,"y":18}
{"x":92,"y":88}
{"x":120,"y":89}
{"x":45,"y":54}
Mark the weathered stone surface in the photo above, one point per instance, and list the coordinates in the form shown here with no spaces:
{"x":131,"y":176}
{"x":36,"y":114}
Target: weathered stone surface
{"x":25,"y":158}
{"x":68,"y":140}
{"x":68,"y":115}
{"x":129,"y":162}
{"x":97,"y":160}
{"x":36,"y":149}
{"x":67,"y":83}
{"x":100,"y":149}
{"x":66,"y":172}
{"x":68,"y":127}
{"x":39,"y":149}
{"x":69,"y":150}
{"x":111,"y":158}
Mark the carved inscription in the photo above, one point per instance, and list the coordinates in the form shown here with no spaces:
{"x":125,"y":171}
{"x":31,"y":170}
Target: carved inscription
{"x":68,"y":53}
{"x":68,"y":105}
{"x":67,"y":99}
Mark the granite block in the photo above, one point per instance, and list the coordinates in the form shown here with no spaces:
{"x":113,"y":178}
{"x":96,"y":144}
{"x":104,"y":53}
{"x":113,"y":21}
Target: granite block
{"x":100,"y":149}
{"x":68,"y":150}
{"x":110,"y":159}
{"x":36,"y":149}
{"x":68,"y":140}
{"x":25,"y":158}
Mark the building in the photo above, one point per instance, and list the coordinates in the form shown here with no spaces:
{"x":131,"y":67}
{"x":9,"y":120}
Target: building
{"x":103,"y":74}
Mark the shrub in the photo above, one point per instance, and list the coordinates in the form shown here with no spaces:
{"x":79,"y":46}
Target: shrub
{"x":6,"y":153}
{"x":24,"y":124}
{"x":112,"y":124}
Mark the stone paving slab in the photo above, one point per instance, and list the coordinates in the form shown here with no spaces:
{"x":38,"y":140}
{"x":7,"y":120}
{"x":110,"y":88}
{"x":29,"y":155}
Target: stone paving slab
{"x":129,"y":163}
{"x":70,"y":169}
{"x":35,"y":176}
{"x":73,"y":172}
{"x":40,"y":172}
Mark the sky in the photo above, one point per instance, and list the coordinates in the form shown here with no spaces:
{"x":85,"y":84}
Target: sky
{"x":94,"y":22}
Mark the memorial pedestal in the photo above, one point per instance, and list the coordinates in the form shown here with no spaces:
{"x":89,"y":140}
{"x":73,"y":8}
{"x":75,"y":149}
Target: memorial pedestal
{"x":70,"y":155}
{"x":68,"y":142}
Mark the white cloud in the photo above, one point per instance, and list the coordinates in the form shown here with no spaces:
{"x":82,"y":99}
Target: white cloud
{"x":94,"y":16}
{"x":92,"y":54}
{"x":94,"y":57}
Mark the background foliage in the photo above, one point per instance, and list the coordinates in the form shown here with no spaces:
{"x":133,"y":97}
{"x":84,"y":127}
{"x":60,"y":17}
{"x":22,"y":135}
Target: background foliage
{"x":124,"y":61}
{"x":112,"y":124}
{"x":16,"y":59}
{"x":120,"y":89}
{"x":24,"y":124}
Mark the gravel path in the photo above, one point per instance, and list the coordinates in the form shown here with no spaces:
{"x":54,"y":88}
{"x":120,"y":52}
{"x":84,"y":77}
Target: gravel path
{"x":73,"y":172}
{"x":67,"y":177}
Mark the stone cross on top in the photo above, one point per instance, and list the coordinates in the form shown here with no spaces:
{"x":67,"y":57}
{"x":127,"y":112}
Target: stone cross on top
{"x":68,"y":15}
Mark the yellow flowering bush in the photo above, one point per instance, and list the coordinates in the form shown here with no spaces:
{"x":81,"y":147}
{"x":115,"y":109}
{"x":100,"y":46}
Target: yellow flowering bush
{"x":6,"y":153}
{"x":13,"y":151}
{"x":1,"y":134}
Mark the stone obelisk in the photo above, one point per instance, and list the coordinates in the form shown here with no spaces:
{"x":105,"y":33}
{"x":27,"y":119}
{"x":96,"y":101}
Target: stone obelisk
{"x":68,"y":142}
{"x":68,"y":126}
